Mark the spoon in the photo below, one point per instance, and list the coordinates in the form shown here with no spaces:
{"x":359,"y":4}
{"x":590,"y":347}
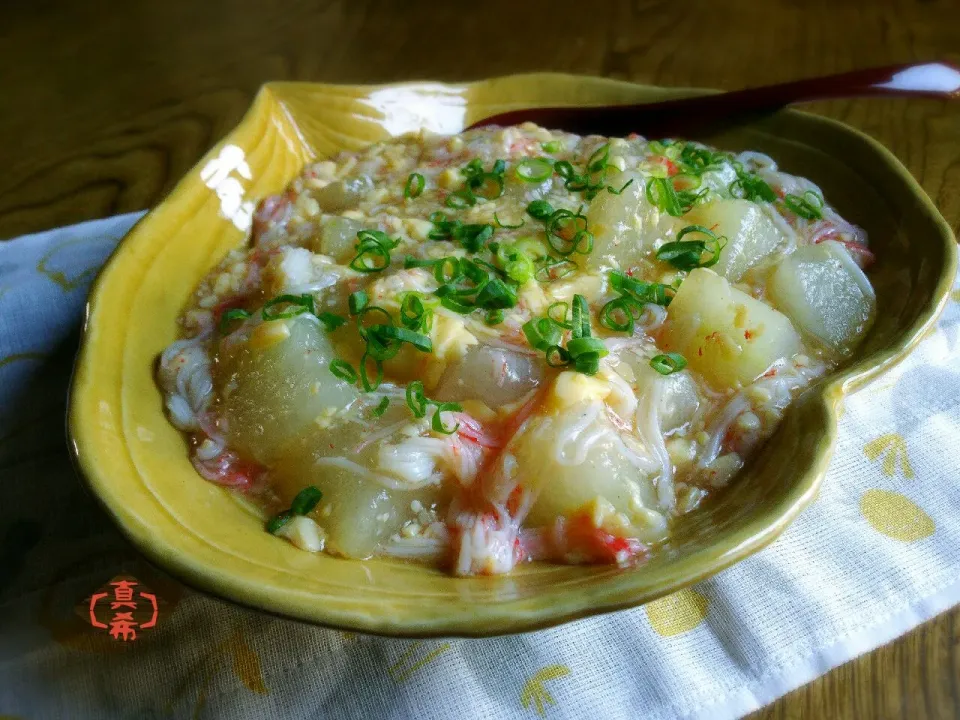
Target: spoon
{"x":668,"y":117}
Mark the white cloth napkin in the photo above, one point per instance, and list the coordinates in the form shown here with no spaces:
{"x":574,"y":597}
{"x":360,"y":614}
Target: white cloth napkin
{"x":875,"y":555}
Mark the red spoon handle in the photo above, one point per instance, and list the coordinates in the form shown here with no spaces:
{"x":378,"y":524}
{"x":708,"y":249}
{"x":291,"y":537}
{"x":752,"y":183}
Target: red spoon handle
{"x":935,"y":80}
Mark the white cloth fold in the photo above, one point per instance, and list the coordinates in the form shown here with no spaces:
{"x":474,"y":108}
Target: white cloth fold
{"x":875,"y":555}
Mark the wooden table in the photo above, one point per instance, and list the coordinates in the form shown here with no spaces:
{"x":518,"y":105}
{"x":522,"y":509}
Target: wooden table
{"x":104,"y":107}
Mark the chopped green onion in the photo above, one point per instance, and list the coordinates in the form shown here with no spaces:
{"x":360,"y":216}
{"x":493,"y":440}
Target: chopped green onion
{"x":542,"y":333}
{"x":591,"y":183}
{"x":534,"y":169}
{"x":507,"y":227}
{"x":229,"y":316}
{"x":330,"y":321}
{"x":447,"y":270}
{"x":565,"y":170}
{"x":473,"y":272}
{"x":669,"y":363}
{"x":488,"y":186}
{"x":581,"y":317}
{"x":472,"y":237}
{"x":582,"y":351}
{"x":373,"y":251}
{"x":381,"y":348}
{"x":554,"y":146}
{"x":624,"y":307}
{"x":278,"y":521}
{"x":579,"y":346}
{"x":437,"y":423}
{"x":357,"y":301}
{"x":456,"y":306}
{"x":564,"y":228}
{"x":344,"y":370}
{"x":688,"y":254}
{"x":298,"y":304}
{"x":373,"y":258}
{"x":380,"y":409}
{"x":403,"y":335}
{"x":697,"y":160}
{"x":413,"y":313}
{"x":556,"y":270}
{"x":496,"y":294}
{"x":662,"y":194}
{"x":516,"y":264}
{"x":623,"y":187}
{"x":556,"y":356}
{"x":460,"y":200}
{"x":814,"y":198}
{"x":751,"y":187}
{"x":597,"y":162}
{"x":472,"y":168}
{"x":809,"y":207}
{"x":642,"y":292}
{"x":414,"y":186}
{"x":494,"y":317}
{"x":559,"y":312}
{"x":587,"y":363}
{"x":520,"y":269}
{"x":540,"y":210}
{"x":447,"y":290}
{"x":583,"y":242}
{"x":411,"y":262}
{"x":416,"y":399}
{"x":443,"y":228}
{"x":306,"y":500}
{"x":365,"y":382}
{"x":378,"y":237}
{"x":371,"y":310}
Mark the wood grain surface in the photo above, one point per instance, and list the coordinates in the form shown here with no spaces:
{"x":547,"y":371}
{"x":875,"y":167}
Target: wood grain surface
{"x":103,"y":106}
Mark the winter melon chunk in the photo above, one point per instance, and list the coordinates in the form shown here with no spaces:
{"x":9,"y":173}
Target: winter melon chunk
{"x":826,"y":294}
{"x":625,"y":226}
{"x":570,"y":478}
{"x":726,"y":335}
{"x":358,"y":513}
{"x":751,"y":235}
{"x":276,"y":384}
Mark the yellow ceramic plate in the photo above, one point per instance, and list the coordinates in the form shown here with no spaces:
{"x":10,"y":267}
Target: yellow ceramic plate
{"x":137,"y":463}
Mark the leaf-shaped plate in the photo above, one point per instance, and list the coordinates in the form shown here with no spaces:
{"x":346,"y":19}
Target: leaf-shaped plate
{"x":137,"y":463}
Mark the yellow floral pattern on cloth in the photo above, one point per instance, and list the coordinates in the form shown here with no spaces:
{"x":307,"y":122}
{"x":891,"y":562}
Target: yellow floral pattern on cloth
{"x":893,"y":448}
{"x":19,"y":357}
{"x":66,"y":278}
{"x":246,"y":664}
{"x":896,"y":516}
{"x":677,"y":613}
{"x":417,"y":656}
{"x":246,"y":667}
{"x":535,"y":693}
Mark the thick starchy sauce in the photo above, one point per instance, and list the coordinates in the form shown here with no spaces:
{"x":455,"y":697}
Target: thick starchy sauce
{"x":511,"y":344}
